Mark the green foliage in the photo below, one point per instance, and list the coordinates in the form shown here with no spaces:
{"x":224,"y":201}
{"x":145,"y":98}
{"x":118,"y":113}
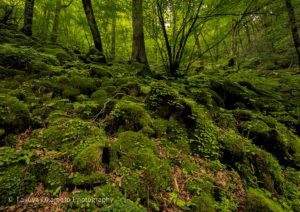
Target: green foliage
{"x":15,"y":181}
{"x":14,"y":114}
{"x":52,"y":173}
{"x":124,"y":204}
{"x":205,"y":142}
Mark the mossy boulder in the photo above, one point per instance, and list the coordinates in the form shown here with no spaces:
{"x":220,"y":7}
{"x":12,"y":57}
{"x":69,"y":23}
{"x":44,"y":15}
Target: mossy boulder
{"x":57,"y":51}
{"x":99,"y":71}
{"x":88,"y":181}
{"x":163,"y":100}
{"x":71,"y":135}
{"x":137,"y":152}
{"x":22,"y":58}
{"x":275,"y":138}
{"x":255,"y":166}
{"x":100,"y":96}
{"x":257,"y":202}
{"x":128,"y":115}
{"x":14,"y":114}
{"x":90,"y":159}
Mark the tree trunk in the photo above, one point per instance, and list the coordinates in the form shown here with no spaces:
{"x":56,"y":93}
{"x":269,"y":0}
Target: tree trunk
{"x":294,"y":29}
{"x":138,"y":46}
{"x":28,"y":16}
{"x":113,"y":37}
{"x":93,"y":25}
{"x":199,"y":52}
{"x":56,"y":21}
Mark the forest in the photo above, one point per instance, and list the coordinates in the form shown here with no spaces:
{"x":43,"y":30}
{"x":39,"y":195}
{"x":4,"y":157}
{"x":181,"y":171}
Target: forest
{"x":150,"y":105}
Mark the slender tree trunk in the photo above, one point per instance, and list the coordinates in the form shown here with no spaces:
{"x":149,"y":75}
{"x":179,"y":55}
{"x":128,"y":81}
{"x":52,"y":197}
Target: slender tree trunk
{"x":113,"y":36}
{"x":28,"y":16}
{"x":199,"y":51}
{"x":138,"y":46}
{"x":56,"y":21}
{"x":93,"y":25}
{"x":294,"y":28}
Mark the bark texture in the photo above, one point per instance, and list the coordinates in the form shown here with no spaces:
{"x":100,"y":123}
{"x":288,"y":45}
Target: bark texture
{"x":56,"y":21}
{"x":93,"y":25}
{"x":138,"y":46}
{"x":28,"y":17}
{"x":293,"y":23}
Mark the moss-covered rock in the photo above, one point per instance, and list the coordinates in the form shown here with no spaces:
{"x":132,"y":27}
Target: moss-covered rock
{"x":257,"y":201}
{"x":100,"y":96}
{"x":90,"y":159}
{"x":137,"y":152}
{"x":71,"y":135}
{"x":14,"y":114}
{"x":88,"y":181}
{"x":255,"y":166}
{"x":275,"y":138}
{"x":128,"y":115}
{"x":23,"y":57}
{"x":61,"y":54}
{"x":99,"y":71}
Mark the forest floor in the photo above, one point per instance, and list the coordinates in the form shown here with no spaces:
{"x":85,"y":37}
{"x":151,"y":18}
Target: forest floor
{"x":79,"y":135}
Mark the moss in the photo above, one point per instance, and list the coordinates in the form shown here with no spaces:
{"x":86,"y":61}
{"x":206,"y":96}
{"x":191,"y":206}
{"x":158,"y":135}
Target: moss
{"x":138,"y":152}
{"x":94,"y":56}
{"x":52,"y":173}
{"x":14,"y":114}
{"x":226,"y":120}
{"x":232,"y":92}
{"x":71,"y":93}
{"x":255,"y":166}
{"x":84,"y":84}
{"x":128,"y":115}
{"x":72,"y":135}
{"x":204,"y":142}
{"x":90,"y":159}
{"x":163,"y":99}
{"x":58,"y":52}
{"x":275,"y":138}
{"x":87,"y":181}
{"x":21,"y":57}
{"x":100,"y":96}
{"x":207,"y":97}
{"x":124,"y":204}
{"x":6,"y":72}
{"x":204,"y":203}
{"x":99,"y":71}
{"x":140,"y":69}
{"x":12,"y":173}
{"x":257,"y":201}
